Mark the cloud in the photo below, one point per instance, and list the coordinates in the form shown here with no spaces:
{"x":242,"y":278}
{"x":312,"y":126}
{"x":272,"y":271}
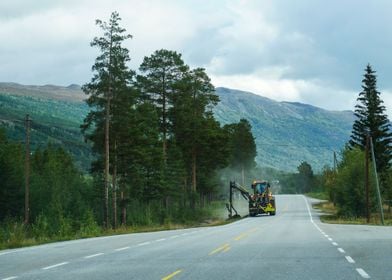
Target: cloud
{"x":311,"y":51}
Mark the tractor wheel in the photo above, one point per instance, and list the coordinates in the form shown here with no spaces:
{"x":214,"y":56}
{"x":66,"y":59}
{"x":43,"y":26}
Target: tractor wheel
{"x":272,"y":213}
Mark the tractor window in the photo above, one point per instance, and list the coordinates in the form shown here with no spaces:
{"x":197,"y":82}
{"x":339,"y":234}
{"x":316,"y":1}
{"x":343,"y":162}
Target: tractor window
{"x":260,"y":187}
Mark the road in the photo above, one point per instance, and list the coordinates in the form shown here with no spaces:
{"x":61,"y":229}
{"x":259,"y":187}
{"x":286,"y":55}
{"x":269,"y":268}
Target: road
{"x":294,"y":244}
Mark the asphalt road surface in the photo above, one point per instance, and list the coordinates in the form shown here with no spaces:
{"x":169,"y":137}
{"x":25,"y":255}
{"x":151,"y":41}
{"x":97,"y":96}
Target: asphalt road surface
{"x":291,"y":245}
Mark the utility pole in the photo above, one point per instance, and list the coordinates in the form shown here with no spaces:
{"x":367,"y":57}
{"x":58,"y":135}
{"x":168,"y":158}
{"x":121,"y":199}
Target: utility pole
{"x":367,"y":178}
{"x":27,"y":169}
{"x":335,"y":162}
{"x":377,"y":184}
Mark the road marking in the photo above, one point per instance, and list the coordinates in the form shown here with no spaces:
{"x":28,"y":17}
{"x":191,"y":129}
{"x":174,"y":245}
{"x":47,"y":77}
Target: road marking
{"x":326,"y":235}
{"x":121,"y":249}
{"x":307,"y":206}
{"x":334,"y":244}
{"x":252,"y":230}
{"x":55,"y":265}
{"x":219,"y":249}
{"x":170,"y":276}
{"x":341,"y":250}
{"x":363,"y":273}
{"x":330,"y":239}
{"x":184,"y":234}
{"x":239,"y":237}
{"x":93,"y":256}
{"x":10,"y":278}
{"x":174,"y":236}
{"x":226,"y":249}
{"x":160,"y":240}
{"x":349,"y":259}
{"x":144,"y":243}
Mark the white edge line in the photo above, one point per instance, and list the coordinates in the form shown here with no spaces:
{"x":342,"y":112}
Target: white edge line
{"x":174,"y":236}
{"x":121,"y":249}
{"x":144,"y":243}
{"x":341,"y":250}
{"x":9,"y":278}
{"x":159,"y":240}
{"x":307,"y":206}
{"x":349,"y":259}
{"x":55,"y":265}
{"x":362,"y":273}
{"x":334,"y":244}
{"x":330,"y":239}
{"x":93,"y":256}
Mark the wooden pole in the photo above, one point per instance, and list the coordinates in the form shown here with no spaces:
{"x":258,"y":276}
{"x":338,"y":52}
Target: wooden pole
{"x":367,"y":179}
{"x":27,"y":170}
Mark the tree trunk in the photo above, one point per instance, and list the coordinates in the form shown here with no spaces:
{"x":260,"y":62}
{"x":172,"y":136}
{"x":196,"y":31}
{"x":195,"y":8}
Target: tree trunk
{"x":107,"y":182}
{"x":243,"y":175}
{"x":164,"y":144}
{"x":114,"y":183}
{"x":123,"y":209}
{"x":194,"y":171}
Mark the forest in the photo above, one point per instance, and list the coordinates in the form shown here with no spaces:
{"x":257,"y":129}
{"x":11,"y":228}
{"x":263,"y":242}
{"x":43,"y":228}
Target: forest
{"x":158,"y":153}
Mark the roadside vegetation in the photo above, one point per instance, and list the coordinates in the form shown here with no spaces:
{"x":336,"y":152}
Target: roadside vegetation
{"x":345,"y":185}
{"x":159,"y":155}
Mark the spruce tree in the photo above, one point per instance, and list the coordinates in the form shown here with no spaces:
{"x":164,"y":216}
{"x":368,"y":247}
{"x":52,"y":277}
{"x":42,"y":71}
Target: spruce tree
{"x":371,"y":118}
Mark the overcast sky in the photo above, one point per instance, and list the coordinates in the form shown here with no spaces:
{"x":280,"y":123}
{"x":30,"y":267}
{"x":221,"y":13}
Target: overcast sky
{"x":307,"y":50}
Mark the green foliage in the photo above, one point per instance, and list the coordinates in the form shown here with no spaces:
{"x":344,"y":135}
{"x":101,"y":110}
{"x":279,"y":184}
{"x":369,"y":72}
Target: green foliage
{"x":52,"y":120}
{"x":305,"y":178}
{"x":346,"y":187}
{"x":242,"y":146}
{"x":285,"y":130}
{"x":372,"y":120}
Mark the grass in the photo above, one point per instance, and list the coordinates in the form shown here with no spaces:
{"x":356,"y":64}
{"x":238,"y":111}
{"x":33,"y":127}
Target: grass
{"x":14,"y":234}
{"x":318,"y":195}
{"x":330,"y":216}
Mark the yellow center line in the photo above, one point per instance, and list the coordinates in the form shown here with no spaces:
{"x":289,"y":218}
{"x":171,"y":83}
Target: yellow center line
{"x":219,"y":249}
{"x":226,"y":249}
{"x":170,"y":276}
{"x":240,"y":236}
{"x":252,"y":230}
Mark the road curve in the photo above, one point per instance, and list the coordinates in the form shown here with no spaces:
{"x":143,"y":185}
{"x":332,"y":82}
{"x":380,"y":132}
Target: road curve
{"x":291,"y":245}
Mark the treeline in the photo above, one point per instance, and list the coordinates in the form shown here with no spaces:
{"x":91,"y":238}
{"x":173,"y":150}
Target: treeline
{"x":345,"y":184}
{"x":61,"y":197}
{"x":158,"y":146}
{"x":158,"y":152}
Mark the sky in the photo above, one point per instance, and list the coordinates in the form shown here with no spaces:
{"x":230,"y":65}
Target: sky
{"x":310,"y":51}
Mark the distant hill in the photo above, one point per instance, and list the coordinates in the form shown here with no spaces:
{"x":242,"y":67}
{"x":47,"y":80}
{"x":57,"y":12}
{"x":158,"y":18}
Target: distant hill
{"x":286,"y":133}
{"x":56,"y":114}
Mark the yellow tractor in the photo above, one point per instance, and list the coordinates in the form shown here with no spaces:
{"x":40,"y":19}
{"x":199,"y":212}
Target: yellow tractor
{"x":260,"y":202}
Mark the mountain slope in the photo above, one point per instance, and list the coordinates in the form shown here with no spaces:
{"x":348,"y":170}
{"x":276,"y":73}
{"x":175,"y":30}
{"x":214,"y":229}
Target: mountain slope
{"x":56,"y":114}
{"x":287,"y":133}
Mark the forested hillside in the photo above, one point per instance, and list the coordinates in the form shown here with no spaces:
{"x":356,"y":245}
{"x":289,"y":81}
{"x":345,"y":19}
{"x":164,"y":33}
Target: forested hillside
{"x":287,"y":133}
{"x":283,"y":130}
{"x":56,"y":121}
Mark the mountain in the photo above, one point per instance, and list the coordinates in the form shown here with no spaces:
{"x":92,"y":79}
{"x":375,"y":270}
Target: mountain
{"x":286,"y":132}
{"x":56,"y":114}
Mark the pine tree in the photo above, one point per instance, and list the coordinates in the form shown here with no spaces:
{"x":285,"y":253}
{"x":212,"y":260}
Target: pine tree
{"x":191,"y":106}
{"x":243,"y":147}
{"x":371,"y":118}
{"x":111,"y":79}
{"x":162,"y":70}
